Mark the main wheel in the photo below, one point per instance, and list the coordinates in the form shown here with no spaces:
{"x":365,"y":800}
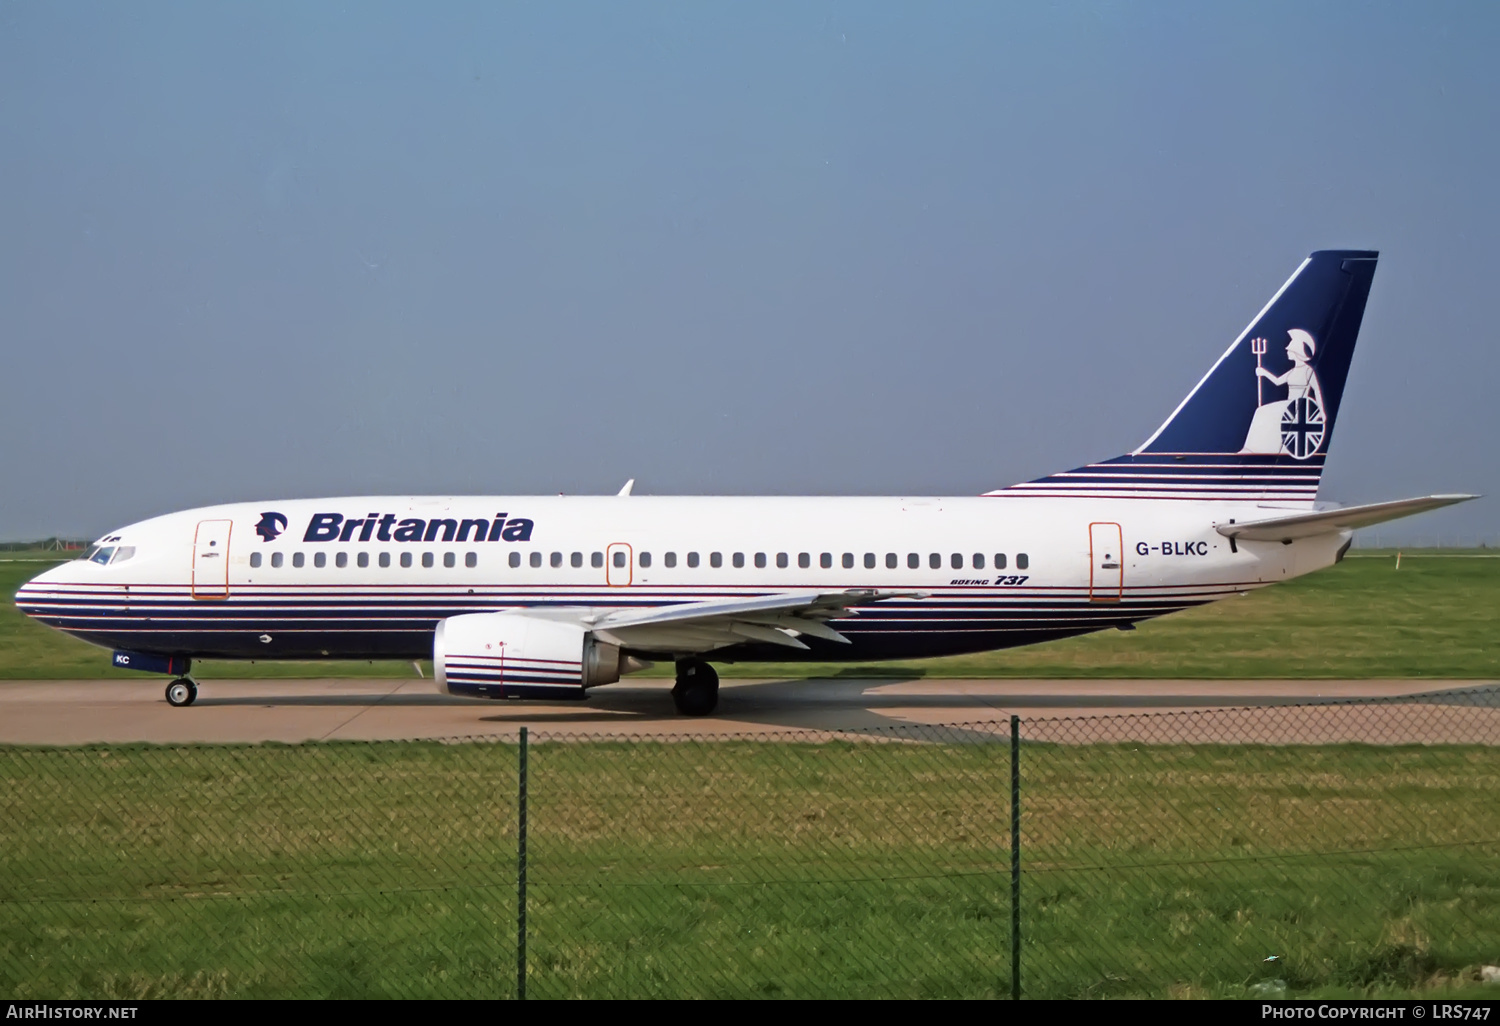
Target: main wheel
{"x":181,"y":691}
{"x":697,"y":690}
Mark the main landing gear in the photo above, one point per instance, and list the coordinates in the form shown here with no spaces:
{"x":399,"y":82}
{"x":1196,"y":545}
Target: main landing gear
{"x":697,"y":690}
{"x":182,"y":691}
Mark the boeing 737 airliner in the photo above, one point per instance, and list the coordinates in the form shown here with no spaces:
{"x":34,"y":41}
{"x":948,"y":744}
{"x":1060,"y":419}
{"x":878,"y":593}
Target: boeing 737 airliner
{"x":547,"y":597}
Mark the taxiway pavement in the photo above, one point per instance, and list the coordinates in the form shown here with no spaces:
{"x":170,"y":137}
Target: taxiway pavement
{"x":239,"y":711}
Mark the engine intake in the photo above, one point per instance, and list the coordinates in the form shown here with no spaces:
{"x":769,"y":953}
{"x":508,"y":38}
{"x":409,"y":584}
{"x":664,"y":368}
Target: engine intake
{"x":511,"y":655}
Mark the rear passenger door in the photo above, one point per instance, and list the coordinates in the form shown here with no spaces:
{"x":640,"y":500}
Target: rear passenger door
{"x":1106,"y":563}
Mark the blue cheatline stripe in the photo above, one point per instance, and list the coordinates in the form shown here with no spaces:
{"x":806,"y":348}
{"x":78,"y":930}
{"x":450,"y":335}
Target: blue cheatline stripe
{"x":356,"y":612}
{"x":520,"y":666}
{"x":471,"y":676}
{"x":237,"y":612}
{"x":637,"y":595}
{"x":468,"y":677}
{"x":1186,"y":476}
{"x":1035,"y":619}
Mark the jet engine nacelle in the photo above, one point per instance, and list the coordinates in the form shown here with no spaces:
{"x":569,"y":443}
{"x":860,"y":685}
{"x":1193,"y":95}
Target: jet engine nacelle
{"x":511,"y":655}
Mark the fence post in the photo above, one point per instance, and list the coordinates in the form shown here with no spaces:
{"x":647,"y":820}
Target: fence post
{"x":1015,"y":858}
{"x":521,"y":876}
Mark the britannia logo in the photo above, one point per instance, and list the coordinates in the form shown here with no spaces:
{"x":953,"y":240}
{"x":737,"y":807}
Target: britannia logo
{"x":1296,"y":425}
{"x":271,"y":524}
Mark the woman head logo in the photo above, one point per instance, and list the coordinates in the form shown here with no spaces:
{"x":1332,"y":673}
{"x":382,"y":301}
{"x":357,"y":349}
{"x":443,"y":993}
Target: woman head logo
{"x":1301,"y":348}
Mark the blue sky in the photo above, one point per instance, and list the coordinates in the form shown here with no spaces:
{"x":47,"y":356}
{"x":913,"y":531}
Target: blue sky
{"x":275,"y":250}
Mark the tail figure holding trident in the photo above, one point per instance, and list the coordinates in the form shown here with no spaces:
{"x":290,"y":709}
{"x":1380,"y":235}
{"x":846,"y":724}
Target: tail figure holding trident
{"x":1258,"y":347}
{"x":1293,"y":425}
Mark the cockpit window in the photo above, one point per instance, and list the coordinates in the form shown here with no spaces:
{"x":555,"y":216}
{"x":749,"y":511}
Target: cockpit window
{"x":105,"y":554}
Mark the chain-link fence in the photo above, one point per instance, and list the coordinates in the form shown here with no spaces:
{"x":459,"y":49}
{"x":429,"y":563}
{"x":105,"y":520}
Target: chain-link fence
{"x":1341,"y":847}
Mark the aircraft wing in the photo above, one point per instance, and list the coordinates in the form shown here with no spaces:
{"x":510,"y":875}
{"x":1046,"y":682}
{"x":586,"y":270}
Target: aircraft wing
{"x":703,"y":626}
{"x":1306,"y":525}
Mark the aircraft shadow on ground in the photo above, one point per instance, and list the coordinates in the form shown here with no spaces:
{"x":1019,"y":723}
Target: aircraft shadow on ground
{"x":1481,"y":695}
{"x":336,"y":701}
{"x":845,"y":704}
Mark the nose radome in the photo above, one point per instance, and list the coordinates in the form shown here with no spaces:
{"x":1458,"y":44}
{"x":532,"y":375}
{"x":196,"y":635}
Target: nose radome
{"x":29,"y":593}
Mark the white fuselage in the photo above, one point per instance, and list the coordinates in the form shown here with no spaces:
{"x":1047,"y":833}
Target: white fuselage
{"x":987,"y":572}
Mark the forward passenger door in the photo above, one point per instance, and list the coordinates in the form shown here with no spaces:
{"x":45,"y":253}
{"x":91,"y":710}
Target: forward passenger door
{"x":211,"y":559}
{"x":617,"y":564}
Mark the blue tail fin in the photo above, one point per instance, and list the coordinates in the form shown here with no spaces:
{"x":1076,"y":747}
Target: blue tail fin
{"x":1313,"y":323}
{"x":1257,"y":426}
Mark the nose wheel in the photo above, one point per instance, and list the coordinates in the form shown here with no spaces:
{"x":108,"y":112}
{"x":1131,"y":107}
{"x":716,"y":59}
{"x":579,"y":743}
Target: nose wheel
{"x":182,"y":691}
{"x":697,"y":690}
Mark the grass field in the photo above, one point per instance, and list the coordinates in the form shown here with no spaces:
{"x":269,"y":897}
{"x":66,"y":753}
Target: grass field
{"x":1436,"y":617}
{"x":734,"y":869}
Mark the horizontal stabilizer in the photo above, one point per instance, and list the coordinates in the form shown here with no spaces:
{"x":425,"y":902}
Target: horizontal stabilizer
{"x":1306,"y":525}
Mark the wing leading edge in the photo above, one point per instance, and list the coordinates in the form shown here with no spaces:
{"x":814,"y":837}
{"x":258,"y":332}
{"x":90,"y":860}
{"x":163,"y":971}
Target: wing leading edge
{"x":704,"y":626}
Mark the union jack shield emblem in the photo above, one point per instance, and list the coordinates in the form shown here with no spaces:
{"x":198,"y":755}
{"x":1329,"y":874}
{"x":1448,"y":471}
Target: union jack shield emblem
{"x":1302,"y":427}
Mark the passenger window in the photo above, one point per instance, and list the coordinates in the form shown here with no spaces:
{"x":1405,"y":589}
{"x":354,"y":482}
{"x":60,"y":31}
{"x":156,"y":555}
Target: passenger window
{"x":471,"y":559}
{"x":670,"y":559}
{"x":804,"y":560}
{"x":385,"y":559}
{"x":825,"y":560}
{"x":913,"y":560}
{"x":297,"y":560}
{"x":254,"y":560}
{"x":406,"y":559}
{"x":536,"y":559}
{"x":979,"y":561}
{"x":891,"y":561}
{"x":363,"y":559}
{"x":557,"y":559}
{"x":341,"y":560}
{"x":716,"y":559}
{"x":645,"y":560}
{"x":596,"y":560}
{"x":276,"y":559}
{"x":692,"y":559}
{"x":999,"y":561}
{"x":576,"y":559}
{"x":619,"y":559}
{"x":739,"y":560}
{"x":848,"y":561}
{"x":1022,"y":561}
{"x":869,"y":561}
{"x":956,"y":561}
{"x":782,"y":561}
{"x":427,"y":559}
{"x":760,"y":560}
{"x":515,"y":559}
{"x":935,"y":560}
{"x":450,"y":559}
{"x":320,"y":559}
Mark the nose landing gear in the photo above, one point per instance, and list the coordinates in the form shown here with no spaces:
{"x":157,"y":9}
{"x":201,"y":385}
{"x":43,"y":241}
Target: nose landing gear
{"x":182,"y":691}
{"x":697,"y":690}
